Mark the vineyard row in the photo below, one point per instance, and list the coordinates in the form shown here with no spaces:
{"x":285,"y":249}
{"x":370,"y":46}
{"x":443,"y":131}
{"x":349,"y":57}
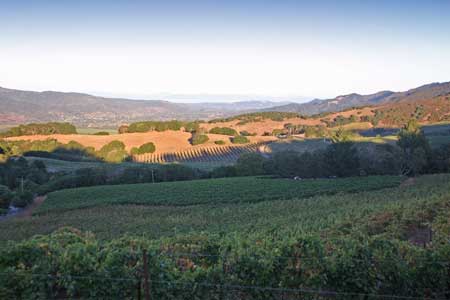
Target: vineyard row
{"x":206,"y":154}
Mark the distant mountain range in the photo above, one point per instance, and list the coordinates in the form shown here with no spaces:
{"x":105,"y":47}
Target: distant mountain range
{"x":85,"y":110}
{"x":356,"y":100}
{"x":18,"y":107}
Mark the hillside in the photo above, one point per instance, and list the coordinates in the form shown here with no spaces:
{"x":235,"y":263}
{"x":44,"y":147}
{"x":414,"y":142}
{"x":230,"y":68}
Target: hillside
{"x":85,"y":110}
{"x":356,"y":100}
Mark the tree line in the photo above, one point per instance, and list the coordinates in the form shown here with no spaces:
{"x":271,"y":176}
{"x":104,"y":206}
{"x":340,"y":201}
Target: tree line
{"x":40,"y":129}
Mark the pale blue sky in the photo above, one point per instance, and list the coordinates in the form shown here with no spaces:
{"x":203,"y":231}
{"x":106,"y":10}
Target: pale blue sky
{"x":268,"y":48}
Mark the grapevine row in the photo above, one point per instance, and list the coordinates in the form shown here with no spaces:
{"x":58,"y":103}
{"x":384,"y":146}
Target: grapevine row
{"x":205,"y":154}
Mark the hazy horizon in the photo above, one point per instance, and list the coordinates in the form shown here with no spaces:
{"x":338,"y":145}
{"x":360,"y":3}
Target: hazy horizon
{"x":267,"y":49}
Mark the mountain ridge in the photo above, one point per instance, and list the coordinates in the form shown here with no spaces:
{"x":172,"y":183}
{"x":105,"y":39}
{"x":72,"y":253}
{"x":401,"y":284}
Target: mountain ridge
{"x":342,"y":102}
{"x":85,"y":110}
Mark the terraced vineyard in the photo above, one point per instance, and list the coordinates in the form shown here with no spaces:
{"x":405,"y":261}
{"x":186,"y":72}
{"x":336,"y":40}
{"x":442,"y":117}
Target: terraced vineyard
{"x":229,"y":153}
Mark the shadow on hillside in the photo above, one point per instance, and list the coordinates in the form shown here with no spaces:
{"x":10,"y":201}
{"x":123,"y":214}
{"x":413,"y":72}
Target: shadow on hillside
{"x":226,"y":154}
{"x":61,"y":153}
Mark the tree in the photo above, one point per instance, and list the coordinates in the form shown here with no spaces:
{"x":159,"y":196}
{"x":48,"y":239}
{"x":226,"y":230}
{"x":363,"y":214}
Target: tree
{"x":342,"y":159}
{"x":198,"y":139}
{"x":250,"y":164}
{"x":224,"y":131}
{"x":123,"y":129}
{"x":114,"y":152}
{"x":341,"y":135}
{"x":5,"y":196}
{"x":415,"y":149}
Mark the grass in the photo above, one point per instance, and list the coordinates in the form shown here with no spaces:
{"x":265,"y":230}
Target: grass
{"x":268,"y":218}
{"x":209,"y":191}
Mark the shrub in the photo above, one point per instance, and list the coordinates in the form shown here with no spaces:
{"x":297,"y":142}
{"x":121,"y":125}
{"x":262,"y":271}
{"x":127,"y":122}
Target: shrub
{"x":22,"y":199}
{"x":147,"y":148}
{"x":144,"y":148}
{"x":246,"y":133}
{"x":224,"y":131}
{"x":250,"y":164}
{"x":239,"y":140}
{"x":5,"y":196}
{"x":101,"y":133}
{"x":113,"y":152}
{"x":224,"y":171}
{"x":198,"y":139}
{"x":191,"y":127}
{"x":220,"y":142}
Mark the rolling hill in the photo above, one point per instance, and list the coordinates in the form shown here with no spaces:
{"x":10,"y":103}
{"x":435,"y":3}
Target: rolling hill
{"x":85,"y":110}
{"x":342,"y":102}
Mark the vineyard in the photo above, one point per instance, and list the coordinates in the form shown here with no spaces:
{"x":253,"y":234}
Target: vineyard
{"x":211,"y":191}
{"x":360,"y":245}
{"x":223,"y":154}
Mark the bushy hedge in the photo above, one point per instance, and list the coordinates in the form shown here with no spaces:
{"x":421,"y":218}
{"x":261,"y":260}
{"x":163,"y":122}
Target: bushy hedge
{"x":41,"y":128}
{"x":144,"y":148}
{"x":224,"y":131}
{"x":239,"y":140}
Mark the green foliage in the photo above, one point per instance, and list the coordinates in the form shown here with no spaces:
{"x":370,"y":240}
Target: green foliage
{"x":219,"y":142}
{"x":144,"y":148}
{"x":342,"y":159}
{"x":101,"y":133}
{"x":22,"y":199}
{"x":246,"y":133}
{"x":113,"y":152}
{"x":155,"y":126}
{"x":339,"y":159}
{"x":239,"y":140}
{"x":91,"y":176}
{"x":415,"y":149}
{"x":198,"y":139}
{"x":342,"y":135}
{"x":224,"y":171}
{"x":224,"y":131}
{"x":235,"y":190}
{"x":341,"y":121}
{"x":191,"y":126}
{"x":277,"y":132}
{"x":41,"y":128}
{"x":250,"y":164}
{"x":314,"y":131}
{"x":5,"y":196}
{"x":257,"y":117}
{"x":348,"y":243}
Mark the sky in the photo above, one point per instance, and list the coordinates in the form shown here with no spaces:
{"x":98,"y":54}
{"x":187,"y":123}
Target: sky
{"x":223,"y":50}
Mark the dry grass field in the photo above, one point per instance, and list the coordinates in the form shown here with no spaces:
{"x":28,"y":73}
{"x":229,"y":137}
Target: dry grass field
{"x":166,"y":142}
